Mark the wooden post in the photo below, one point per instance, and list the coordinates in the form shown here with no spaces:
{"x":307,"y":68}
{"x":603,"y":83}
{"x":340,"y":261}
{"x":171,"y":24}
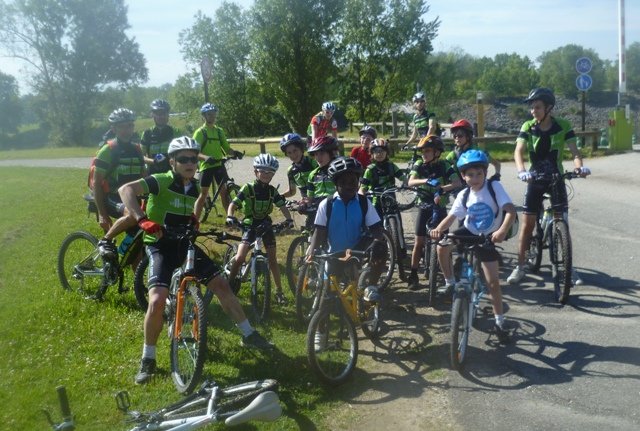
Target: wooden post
{"x":394,"y":124}
{"x":263,"y":148}
{"x":480,"y":114}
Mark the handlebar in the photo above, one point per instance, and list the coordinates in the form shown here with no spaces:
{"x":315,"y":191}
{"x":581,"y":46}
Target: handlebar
{"x":67,"y":424}
{"x":556,"y":176}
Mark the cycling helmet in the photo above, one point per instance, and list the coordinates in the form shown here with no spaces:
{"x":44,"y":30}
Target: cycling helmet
{"x":208,"y":107}
{"x":291,"y":139}
{"x":122,"y":115}
{"x":542,"y":93}
{"x":379,"y":143}
{"x":266,"y":162}
{"x":328,"y":106}
{"x":369,"y":131}
{"x":472,"y":158}
{"x":418,"y":96}
{"x":343,"y":164}
{"x":160,"y":105}
{"x":324,"y":143}
{"x":462,"y":124}
{"x":431,"y":141}
{"x":183,"y":143}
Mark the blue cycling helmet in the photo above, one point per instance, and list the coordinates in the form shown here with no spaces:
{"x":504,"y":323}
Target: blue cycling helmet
{"x":291,"y":139}
{"x":472,"y":159}
{"x":208,"y":107}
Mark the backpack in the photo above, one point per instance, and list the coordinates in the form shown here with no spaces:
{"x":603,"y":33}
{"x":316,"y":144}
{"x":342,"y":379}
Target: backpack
{"x":206,"y":138}
{"x":376,"y":176}
{"x":364,"y":206}
{"x":115,"y":160}
{"x":513,"y":230}
{"x":252,"y":197}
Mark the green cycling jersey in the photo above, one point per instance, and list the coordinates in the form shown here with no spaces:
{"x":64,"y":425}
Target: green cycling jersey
{"x":213,"y":143}
{"x":257,"y":200}
{"x":320,"y":185}
{"x":546,"y":147}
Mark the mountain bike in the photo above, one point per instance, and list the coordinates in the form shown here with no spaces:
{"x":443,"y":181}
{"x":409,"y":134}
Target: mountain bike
{"x":348,"y":300}
{"x":298,"y":248}
{"x":231,"y":187}
{"x":257,"y":270}
{"x":68,"y":423}
{"x":81,"y":268}
{"x":552,"y":232}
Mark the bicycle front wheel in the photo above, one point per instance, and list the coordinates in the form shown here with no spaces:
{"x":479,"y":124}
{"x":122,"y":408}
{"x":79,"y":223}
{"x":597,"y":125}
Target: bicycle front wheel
{"x":387,"y":274}
{"x":560,"y":251}
{"x":80,"y":266}
{"x":308,"y":291}
{"x":295,"y":260}
{"x":394,"y":231}
{"x":188,"y":333}
{"x":534,"y":252}
{"x":260,"y":290}
{"x":432,"y":270}
{"x":369,"y":311}
{"x":332,"y":343}
{"x":459,"y":332}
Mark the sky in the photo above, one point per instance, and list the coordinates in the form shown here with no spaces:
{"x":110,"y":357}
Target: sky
{"x":480,"y":28}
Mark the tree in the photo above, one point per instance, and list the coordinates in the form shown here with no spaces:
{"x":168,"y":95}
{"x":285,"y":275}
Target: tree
{"x":633,"y":67}
{"x":508,"y":75}
{"x":75,"y":48}
{"x":10,"y":107}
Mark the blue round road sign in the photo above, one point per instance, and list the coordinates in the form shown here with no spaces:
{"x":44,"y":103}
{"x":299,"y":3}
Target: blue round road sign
{"x":584,"y":82}
{"x":583,"y":65}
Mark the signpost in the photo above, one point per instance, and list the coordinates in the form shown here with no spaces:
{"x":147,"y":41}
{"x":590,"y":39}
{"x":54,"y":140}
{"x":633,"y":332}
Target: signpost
{"x":206,"y":71}
{"x":584,"y":81}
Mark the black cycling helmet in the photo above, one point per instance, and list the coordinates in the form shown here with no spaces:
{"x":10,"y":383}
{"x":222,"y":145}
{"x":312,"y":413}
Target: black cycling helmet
{"x":122,"y":115}
{"x":431,"y":141}
{"x":324,"y":143}
{"x":160,"y":105}
{"x":369,"y":131}
{"x":292,"y":139}
{"x":472,"y":158}
{"x":342,"y":165}
{"x":541,"y":93}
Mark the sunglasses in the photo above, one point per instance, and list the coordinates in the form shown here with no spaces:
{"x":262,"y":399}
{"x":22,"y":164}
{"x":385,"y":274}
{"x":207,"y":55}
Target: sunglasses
{"x":187,"y":159}
{"x":265,"y":172}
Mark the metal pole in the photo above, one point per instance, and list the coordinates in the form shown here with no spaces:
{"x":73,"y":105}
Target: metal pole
{"x":622,"y":78}
{"x":584,"y":108}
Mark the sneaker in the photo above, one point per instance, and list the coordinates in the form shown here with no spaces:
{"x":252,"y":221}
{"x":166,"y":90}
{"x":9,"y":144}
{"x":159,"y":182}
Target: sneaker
{"x":257,"y":341}
{"x":106,"y":248}
{"x":575,"y":278}
{"x":372,"y":294}
{"x":147,"y":370}
{"x":413,"y":282}
{"x":502,"y":334}
{"x":320,"y":342}
{"x":516,"y":275}
{"x":447,"y":289}
{"x":280,"y":298}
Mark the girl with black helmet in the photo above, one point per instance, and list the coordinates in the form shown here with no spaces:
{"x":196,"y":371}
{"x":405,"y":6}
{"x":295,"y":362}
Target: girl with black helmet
{"x":543,"y":139}
{"x":462,"y":133}
{"x":435,"y":176}
{"x":424,"y":123}
{"x":482,"y":213}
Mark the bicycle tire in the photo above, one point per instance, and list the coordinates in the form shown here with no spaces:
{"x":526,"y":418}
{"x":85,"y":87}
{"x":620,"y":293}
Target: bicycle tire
{"x":459,"y":331}
{"x":406,"y":199}
{"x":370,"y":313}
{"x":189,"y":348}
{"x":335,"y":361}
{"x":560,"y":251}
{"x":308,"y":292}
{"x":80,"y":266}
{"x":534,"y":252}
{"x":385,"y":277}
{"x":260,"y":290}
{"x":394,"y":231}
{"x":433,"y":272}
{"x":206,"y":209}
{"x":295,"y":258}
{"x":227,"y":259}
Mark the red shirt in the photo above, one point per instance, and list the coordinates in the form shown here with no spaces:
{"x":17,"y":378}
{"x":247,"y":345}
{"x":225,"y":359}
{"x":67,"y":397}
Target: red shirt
{"x":323,"y":125}
{"x":362,"y":155}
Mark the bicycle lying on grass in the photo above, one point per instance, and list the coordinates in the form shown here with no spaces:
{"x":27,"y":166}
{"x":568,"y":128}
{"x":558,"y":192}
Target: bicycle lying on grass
{"x":233,"y":405}
{"x":68,"y":423}
{"x":231,"y":187}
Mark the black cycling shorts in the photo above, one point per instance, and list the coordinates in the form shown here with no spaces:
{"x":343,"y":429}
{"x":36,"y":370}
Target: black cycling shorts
{"x":167,"y":255}
{"x":486,"y":253}
{"x":428,"y":216}
{"x":534,"y":195}
{"x":219,"y":173}
{"x":249,"y":235}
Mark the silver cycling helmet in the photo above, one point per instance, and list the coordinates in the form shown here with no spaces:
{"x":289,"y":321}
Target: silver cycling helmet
{"x":183,"y":143}
{"x":122,"y":115}
{"x":160,"y":105}
{"x":266,"y":162}
{"x":329,"y":106}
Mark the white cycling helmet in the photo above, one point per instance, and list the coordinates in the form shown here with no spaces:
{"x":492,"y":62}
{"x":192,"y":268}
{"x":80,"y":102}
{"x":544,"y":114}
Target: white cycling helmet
{"x":266,"y":162}
{"x":183,"y":143}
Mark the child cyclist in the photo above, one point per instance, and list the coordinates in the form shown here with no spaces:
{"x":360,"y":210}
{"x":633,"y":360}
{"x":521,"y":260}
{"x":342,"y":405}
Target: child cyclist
{"x":172,"y":197}
{"x":319,"y":184}
{"x":293,"y":146}
{"x":257,"y":200}
{"x":462,"y":133}
{"x":435,"y":177}
{"x":482,"y":216}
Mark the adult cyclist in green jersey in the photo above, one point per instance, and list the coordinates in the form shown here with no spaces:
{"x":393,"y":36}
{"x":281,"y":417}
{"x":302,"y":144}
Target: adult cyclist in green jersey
{"x":543,"y":139}
{"x":172,"y":197}
{"x":117,"y":162}
{"x":214,"y":147}
{"x":155,"y":140}
{"x":462,"y":132}
{"x":424,"y":123}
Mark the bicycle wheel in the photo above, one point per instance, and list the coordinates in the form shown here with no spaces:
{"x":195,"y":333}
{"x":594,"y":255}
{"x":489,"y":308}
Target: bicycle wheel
{"x":337,"y":343}
{"x":387,"y":275}
{"x":260,"y":289}
{"x":406,"y":198}
{"x":433,"y":272}
{"x":189,"y":339}
{"x":308,"y":291}
{"x":80,"y":267}
{"x":295,"y":259}
{"x":369,"y":312}
{"x":459,"y":332}
{"x":140,"y":283}
{"x":206,"y":209}
{"x":533,"y":256}
{"x":394,"y":231}
{"x":560,"y":254}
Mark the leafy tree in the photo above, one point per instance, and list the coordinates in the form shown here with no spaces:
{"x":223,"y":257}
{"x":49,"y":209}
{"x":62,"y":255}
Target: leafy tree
{"x":558,"y":69}
{"x":75,"y":48}
{"x":508,"y":75}
{"x":633,"y":67}
{"x":10,"y":106}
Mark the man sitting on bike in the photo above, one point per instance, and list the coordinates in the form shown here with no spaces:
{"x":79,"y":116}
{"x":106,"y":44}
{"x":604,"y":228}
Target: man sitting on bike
{"x":381,"y":174}
{"x":257,"y":200}
{"x":434,"y":177}
{"x":544,"y":139}
{"x":462,"y":133}
{"x":172,"y":197}
{"x":155,"y":140}
{"x":214,"y":146}
{"x":481,"y":216}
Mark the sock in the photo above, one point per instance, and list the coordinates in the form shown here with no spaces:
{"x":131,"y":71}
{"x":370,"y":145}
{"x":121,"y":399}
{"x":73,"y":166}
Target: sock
{"x":450,"y":281}
{"x":149,"y":352}
{"x":499,"y":320}
{"x":245,"y":327}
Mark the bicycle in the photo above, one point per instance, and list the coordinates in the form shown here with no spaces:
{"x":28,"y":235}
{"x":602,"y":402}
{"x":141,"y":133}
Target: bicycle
{"x":233,"y":405}
{"x":231,"y":187}
{"x":68,"y":423}
{"x":257,"y":270}
{"x":346,"y":302}
{"x":552,"y":232}
{"x":81,"y":268}
{"x":298,"y":248}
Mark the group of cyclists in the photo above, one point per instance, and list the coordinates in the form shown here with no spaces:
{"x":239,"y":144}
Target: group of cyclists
{"x":164,"y":167}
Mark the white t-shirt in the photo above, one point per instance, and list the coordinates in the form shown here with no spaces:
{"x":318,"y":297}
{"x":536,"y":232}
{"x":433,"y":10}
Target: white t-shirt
{"x":480,"y":214}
